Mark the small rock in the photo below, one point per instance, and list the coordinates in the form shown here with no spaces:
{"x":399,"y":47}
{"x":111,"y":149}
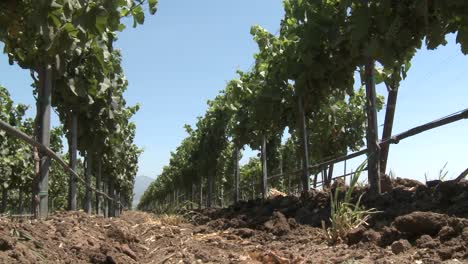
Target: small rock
{"x":446,"y":233}
{"x":6,"y":244}
{"x":389,"y":235}
{"x":219,"y":223}
{"x":128,"y":251}
{"x":110,"y":260}
{"x":98,"y":258}
{"x":445,"y":253}
{"x":201,"y":257}
{"x":244,"y":232}
{"x":76,"y":247}
{"x":200,"y":229}
{"x":426,"y":241}
{"x":372,"y":236}
{"x":465,"y":233}
{"x":292,"y":222}
{"x":400,"y":246}
{"x":278,"y":224}
{"x":236,"y":223}
{"x":355,"y":235}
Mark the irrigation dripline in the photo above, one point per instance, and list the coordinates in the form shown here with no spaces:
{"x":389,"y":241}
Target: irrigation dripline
{"x":463,"y":114}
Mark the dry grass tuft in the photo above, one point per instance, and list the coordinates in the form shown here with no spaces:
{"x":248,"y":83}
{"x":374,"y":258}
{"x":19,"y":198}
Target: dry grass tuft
{"x":170,"y":219}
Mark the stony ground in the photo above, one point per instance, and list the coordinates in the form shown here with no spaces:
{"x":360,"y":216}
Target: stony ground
{"x":418,"y":224}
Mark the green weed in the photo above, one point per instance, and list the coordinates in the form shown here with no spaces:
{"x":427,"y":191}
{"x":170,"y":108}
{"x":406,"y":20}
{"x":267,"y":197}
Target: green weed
{"x":346,"y":215}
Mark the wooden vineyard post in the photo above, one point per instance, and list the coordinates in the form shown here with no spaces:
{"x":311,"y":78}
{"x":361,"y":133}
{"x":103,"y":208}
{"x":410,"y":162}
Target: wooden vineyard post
{"x":236,"y":174}
{"x":324,"y":176}
{"x":305,"y":154}
{"x":388,"y":126}
{"x":73,"y":156}
{"x":315,"y":179}
{"x":110,"y":193}
{"x":209,"y":191}
{"x":200,"y":198}
{"x":4,"y":200}
{"x":330,"y":174}
{"x":98,"y":187}
{"x":117,"y":205}
{"x":20,"y":201}
{"x":192,"y":196}
{"x":264,"y":169}
{"x":281,"y":170}
{"x":253,"y":188}
{"x":41,"y":187}
{"x":89,"y":168}
{"x":121,"y":202}
{"x":373,"y":154}
{"x":221,"y":194}
{"x":105,"y":200}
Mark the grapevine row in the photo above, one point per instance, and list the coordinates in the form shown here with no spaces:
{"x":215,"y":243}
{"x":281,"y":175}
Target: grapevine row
{"x":68,"y":47}
{"x":303,"y":80}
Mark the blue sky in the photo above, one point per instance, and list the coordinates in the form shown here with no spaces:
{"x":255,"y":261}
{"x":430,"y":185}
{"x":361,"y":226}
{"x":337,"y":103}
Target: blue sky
{"x":185,"y":54}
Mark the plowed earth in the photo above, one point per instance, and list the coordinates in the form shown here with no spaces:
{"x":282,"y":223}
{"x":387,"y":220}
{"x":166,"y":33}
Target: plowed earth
{"x":417,"y":224}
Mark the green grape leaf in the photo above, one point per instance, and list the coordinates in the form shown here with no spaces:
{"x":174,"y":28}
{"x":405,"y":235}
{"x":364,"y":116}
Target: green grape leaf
{"x":462,"y":39}
{"x":138,"y":16}
{"x":153,"y":6}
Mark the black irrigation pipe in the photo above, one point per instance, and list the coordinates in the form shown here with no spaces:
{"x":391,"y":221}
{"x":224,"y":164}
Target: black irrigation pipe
{"x":20,"y":135}
{"x":16,"y":215}
{"x":342,"y":176}
{"x":463,"y":114}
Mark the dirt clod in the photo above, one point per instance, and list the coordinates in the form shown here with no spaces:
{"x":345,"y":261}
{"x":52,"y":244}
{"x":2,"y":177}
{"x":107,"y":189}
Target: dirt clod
{"x":400,"y":246}
{"x":128,"y":251}
{"x":445,"y":253}
{"x":278,"y":224}
{"x":244,"y":232}
{"x":6,"y":243}
{"x":420,"y":223}
{"x":356,"y":235}
{"x":426,"y":241}
{"x":446,"y":233}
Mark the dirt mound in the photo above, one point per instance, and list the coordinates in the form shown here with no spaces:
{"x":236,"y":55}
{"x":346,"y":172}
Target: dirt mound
{"x":438,"y":236}
{"x":403,"y":196}
{"x":427,"y":221}
{"x":65,"y":238}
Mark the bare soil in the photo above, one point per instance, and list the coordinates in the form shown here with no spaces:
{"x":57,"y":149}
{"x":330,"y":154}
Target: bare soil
{"x":418,"y":224}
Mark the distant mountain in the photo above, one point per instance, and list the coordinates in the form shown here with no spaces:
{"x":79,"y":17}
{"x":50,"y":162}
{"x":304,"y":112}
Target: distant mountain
{"x":141,"y":183}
